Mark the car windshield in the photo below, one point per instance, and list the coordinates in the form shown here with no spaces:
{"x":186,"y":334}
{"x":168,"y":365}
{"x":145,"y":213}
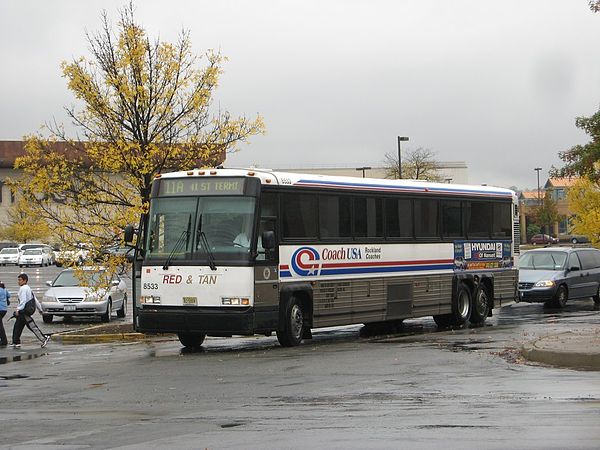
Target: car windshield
{"x":543,"y":260}
{"x":10,"y":251}
{"x":68,"y":279}
{"x":33,"y":252}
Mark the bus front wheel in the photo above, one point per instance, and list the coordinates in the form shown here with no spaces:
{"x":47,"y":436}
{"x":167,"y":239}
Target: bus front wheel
{"x":291,"y":328}
{"x":191,"y":340}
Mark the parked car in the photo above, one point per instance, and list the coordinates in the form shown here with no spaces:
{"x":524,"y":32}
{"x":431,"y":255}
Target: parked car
{"x":127,"y":252}
{"x":555,"y":275}
{"x":543,"y":239}
{"x":34,"y":257}
{"x":9,"y":255}
{"x":578,"y":239}
{"x":76,"y":256}
{"x":68,"y":296}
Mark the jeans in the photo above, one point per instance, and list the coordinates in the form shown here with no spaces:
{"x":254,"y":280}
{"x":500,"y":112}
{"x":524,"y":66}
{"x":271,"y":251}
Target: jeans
{"x":3,"y":340}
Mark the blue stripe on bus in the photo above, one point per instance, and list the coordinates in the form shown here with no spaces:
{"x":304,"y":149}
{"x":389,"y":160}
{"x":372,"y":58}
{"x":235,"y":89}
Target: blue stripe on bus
{"x":359,"y":270}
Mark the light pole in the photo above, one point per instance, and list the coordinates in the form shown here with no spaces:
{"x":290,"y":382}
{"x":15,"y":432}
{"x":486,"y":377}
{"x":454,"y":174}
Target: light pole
{"x":400,"y":139}
{"x":363,"y":169}
{"x":537,"y":169}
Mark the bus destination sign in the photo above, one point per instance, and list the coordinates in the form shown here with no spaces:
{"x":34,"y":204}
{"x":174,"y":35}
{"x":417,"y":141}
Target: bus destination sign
{"x":200,"y":186}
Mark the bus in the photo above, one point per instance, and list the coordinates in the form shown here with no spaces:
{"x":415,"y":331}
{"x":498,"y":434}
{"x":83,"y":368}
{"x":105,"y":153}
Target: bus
{"x":225,"y":252}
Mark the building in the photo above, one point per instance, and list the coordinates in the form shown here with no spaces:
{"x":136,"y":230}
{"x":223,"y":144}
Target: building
{"x":557,"y":188}
{"x":451,"y":172}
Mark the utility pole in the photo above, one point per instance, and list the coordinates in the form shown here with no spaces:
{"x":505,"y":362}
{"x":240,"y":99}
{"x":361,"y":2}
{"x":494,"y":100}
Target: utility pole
{"x":537,"y":169}
{"x":400,"y":139}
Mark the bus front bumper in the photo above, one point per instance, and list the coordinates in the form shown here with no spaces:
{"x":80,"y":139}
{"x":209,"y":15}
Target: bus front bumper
{"x":211,"y":321}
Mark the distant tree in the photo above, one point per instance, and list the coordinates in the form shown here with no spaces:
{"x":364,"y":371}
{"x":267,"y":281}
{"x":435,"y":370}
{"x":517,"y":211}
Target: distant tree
{"x":533,"y":228}
{"x":582,"y":160}
{"x":584,"y":202}
{"x":144,"y":108}
{"x":419,"y":164}
{"x":545,"y":214}
{"x":22,"y":225}
{"x":595,"y":5}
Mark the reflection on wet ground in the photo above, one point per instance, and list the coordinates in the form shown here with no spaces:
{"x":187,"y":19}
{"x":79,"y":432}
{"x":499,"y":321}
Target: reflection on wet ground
{"x":502,"y":334}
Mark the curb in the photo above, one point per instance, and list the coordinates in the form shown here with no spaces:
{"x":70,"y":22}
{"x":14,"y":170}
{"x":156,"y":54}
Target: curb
{"x":556,"y":350}
{"x":97,"y":338}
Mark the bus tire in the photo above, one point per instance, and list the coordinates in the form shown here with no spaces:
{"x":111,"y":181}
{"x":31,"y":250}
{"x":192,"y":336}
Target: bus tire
{"x":191,"y":340}
{"x":481,"y":306}
{"x":462,"y":306}
{"x":291,"y":328}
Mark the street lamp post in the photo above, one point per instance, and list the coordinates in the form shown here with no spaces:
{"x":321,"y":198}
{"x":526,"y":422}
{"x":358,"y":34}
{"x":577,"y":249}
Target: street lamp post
{"x":363,"y":170}
{"x":537,"y":169}
{"x":400,"y":139}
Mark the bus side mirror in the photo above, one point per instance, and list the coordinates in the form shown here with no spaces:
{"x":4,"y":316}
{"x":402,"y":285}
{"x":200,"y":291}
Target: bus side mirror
{"x":268,"y":240}
{"x":129,"y":232}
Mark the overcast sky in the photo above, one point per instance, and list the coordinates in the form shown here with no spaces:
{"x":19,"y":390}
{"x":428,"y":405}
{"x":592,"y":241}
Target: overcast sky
{"x":495,"y":84}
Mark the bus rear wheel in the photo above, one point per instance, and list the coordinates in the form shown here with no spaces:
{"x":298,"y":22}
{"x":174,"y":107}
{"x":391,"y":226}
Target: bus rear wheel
{"x":481,"y":307}
{"x":462,"y":308}
{"x":191,"y":340}
{"x":291,"y":329}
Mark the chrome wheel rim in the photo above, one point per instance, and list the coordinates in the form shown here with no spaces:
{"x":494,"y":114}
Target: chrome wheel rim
{"x":463,"y":304}
{"x":297,"y":321}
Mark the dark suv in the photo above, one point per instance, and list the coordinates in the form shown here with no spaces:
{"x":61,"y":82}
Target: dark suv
{"x":554,"y":275}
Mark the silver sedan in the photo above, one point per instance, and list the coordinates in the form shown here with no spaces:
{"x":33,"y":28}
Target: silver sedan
{"x":70,"y":296}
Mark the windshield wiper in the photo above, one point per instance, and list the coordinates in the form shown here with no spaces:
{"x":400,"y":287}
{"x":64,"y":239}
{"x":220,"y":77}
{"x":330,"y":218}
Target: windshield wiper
{"x":201,"y":237}
{"x":185,"y":235}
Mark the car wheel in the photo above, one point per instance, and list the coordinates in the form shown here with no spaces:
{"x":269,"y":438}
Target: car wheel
{"x":561,"y":297}
{"x":191,"y":340}
{"x":106,"y":316}
{"x":123,"y":311}
{"x":291,"y":329}
{"x":597,"y":296}
{"x":47,"y":318}
{"x":574,"y":241}
{"x":481,"y":306}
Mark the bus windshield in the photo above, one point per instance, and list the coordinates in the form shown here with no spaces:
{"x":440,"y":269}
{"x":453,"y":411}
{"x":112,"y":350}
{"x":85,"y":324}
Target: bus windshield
{"x":200,"y":228}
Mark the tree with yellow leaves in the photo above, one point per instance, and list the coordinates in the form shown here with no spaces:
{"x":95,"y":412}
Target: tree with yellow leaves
{"x":22,"y":225}
{"x":144,"y":108}
{"x":584,"y":202}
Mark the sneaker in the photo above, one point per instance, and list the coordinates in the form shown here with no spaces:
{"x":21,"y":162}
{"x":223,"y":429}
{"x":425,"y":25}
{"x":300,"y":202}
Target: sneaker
{"x":46,"y":340}
{"x":16,"y":346}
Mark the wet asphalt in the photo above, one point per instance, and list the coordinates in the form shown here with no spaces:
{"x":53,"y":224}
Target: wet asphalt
{"x":417,"y":387}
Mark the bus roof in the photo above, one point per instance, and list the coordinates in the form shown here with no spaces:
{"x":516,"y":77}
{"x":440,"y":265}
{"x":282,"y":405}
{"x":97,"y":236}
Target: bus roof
{"x":379,"y":185}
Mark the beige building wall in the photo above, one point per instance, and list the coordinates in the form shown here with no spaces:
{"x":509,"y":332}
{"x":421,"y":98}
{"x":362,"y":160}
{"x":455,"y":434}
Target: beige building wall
{"x":451,"y":172}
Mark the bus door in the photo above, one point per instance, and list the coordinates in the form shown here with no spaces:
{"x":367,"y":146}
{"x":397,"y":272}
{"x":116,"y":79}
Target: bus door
{"x":266,"y":270}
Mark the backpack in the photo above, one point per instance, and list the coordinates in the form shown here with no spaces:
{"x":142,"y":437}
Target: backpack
{"x":30,"y":307}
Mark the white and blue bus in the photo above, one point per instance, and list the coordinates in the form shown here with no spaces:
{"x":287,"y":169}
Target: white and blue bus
{"x":227,"y":252}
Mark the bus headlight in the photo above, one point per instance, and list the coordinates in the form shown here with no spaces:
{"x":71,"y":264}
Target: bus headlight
{"x":235,"y":301}
{"x":544,"y":283}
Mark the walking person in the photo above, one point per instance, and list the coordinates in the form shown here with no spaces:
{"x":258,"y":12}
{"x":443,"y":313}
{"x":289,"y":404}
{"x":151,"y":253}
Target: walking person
{"x":23,"y":314}
{"x":4,"y":302}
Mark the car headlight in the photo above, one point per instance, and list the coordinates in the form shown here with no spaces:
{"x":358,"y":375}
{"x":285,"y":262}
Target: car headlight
{"x":93,"y":298}
{"x":49,"y":298}
{"x":544,"y":283}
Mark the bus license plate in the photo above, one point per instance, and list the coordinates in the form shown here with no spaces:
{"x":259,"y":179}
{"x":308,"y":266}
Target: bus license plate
{"x":190,"y":301}
{"x":69,"y":307}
